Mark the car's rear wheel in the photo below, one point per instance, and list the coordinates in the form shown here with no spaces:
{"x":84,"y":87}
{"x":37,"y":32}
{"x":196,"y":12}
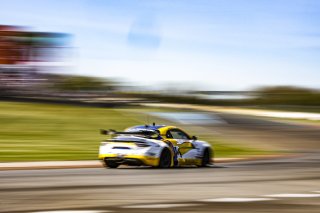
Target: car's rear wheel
{"x":206,"y":158}
{"x":165,"y":159}
{"x":111,"y":164}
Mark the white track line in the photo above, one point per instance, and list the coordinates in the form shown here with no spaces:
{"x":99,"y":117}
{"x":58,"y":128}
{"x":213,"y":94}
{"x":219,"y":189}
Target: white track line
{"x":159,"y":206}
{"x":293,"y":195}
{"x":73,"y":211}
{"x":230,"y":199}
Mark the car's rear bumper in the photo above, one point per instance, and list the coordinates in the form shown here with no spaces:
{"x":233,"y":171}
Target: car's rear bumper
{"x":132,"y":160}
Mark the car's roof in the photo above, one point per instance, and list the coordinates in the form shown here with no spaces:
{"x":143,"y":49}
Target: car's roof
{"x":145,"y":127}
{"x":162,"y":129}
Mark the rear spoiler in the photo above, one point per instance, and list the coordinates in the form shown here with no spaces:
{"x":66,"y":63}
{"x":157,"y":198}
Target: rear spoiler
{"x":141,"y":132}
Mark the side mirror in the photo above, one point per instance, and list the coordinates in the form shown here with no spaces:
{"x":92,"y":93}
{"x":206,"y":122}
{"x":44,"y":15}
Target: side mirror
{"x":194,"y":138}
{"x":107,"y":132}
{"x":103,"y":132}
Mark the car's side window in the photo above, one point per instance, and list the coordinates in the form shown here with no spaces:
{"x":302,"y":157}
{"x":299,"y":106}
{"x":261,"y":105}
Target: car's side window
{"x":168,"y":135}
{"x":178,"y":134}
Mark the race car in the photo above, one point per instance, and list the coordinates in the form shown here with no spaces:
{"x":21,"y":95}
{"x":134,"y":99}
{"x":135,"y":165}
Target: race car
{"x":154,"y":145}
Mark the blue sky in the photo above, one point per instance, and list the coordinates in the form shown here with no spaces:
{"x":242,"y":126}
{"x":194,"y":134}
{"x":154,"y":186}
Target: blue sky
{"x":205,"y":44}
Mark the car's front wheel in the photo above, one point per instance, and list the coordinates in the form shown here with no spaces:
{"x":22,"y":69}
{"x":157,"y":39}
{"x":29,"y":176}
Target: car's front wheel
{"x":165,"y":159}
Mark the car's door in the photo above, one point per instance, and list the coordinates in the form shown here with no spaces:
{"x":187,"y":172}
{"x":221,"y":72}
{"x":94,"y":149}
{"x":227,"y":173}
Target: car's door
{"x":183,"y":143}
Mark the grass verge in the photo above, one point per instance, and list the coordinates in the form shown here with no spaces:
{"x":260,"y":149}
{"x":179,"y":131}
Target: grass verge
{"x":40,"y":132}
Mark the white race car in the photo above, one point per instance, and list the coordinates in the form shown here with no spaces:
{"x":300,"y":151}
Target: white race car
{"x":154,"y":145}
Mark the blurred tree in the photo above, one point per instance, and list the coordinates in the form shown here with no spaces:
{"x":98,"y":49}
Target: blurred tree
{"x":287,"y":95}
{"x":283,"y":90}
{"x":84,"y":83}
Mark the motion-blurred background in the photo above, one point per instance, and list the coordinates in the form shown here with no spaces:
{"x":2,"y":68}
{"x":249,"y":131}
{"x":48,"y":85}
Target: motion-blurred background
{"x":240,"y":74}
{"x":123,"y":58}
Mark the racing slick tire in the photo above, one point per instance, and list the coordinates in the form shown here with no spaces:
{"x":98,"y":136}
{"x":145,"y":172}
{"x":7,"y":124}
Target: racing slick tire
{"x":111,"y":164}
{"x":205,"y":161}
{"x":165,"y":159}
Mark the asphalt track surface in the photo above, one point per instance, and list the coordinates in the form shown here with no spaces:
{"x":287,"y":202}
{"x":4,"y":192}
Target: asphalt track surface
{"x":271,"y":134}
{"x":278,"y":185}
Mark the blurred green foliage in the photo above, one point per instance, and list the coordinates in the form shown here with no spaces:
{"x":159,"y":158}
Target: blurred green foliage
{"x":287,"y":95}
{"x":83,"y":83}
{"x":268,"y":96}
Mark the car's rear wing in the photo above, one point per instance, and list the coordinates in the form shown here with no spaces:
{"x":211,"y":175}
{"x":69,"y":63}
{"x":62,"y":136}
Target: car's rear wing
{"x":150,"y":133}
